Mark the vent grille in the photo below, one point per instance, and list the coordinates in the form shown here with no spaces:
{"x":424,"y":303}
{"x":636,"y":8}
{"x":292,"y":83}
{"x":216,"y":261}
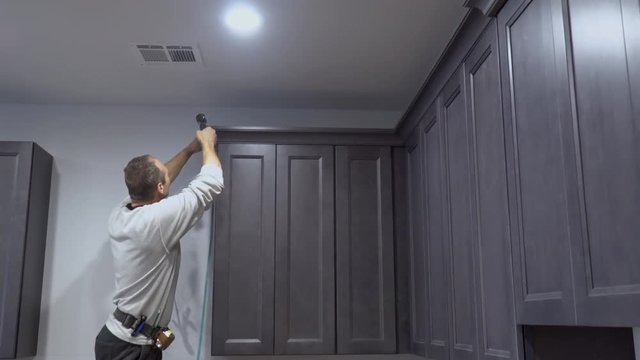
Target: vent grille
{"x":181,"y":54}
{"x":153,"y":53}
{"x":166,"y":54}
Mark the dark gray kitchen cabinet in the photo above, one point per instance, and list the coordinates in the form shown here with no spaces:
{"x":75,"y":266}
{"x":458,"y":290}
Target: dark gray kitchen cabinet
{"x":495,"y":309}
{"x":305,"y":269}
{"x":460,"y":229}
{"x":280,"y":280}
{"x":540,"y":161}
{"x":243,"y":294}
{"x":25,"y":182}
{"x":364,"y":250}
{"x":437,"y":264}
{"x":605,"y":49}
{"x":417,"y":251}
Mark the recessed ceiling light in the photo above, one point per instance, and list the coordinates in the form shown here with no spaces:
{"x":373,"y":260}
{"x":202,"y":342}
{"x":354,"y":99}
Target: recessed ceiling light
{"x":243,"y":19}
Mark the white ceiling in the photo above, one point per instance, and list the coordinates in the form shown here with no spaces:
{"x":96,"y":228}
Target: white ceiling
{"x":365,"y":55}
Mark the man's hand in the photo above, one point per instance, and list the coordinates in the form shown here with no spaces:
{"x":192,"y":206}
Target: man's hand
{"x":207,"y":137}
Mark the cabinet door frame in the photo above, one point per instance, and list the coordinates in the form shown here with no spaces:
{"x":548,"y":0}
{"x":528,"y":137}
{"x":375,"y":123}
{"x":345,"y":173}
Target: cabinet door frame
{"x":487,"y":49}
{"x":613,"y":305}
{"x":325,"y":344}
{"x":12,"y":251}
{"x":386,"y":342}
{"x":415,"y":235}
{"x":436,"y":349}
{"x":555,"y":307}
{"x":221,"y":343}
{"x":455,"y":90}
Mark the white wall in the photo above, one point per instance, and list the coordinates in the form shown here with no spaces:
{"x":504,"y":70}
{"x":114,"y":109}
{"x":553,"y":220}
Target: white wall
{"x":91,"y":146}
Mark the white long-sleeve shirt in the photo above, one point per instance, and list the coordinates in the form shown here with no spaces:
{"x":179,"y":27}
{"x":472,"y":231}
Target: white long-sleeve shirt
{"x":145,"y":243}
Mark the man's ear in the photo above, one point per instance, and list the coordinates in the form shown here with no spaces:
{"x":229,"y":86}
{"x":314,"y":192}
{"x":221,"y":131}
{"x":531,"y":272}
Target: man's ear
{"x":161,"y":189}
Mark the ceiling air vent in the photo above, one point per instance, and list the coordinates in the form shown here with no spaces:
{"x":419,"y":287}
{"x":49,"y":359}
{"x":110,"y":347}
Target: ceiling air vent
{"x":166,"y":54}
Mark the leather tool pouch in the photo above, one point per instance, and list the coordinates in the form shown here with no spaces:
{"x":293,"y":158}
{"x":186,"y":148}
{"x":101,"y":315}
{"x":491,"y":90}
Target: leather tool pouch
{"x":163,"y":338}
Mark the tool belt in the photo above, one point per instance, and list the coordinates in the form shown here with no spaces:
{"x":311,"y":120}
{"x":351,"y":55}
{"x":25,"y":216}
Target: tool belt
{"x":162,"y":337}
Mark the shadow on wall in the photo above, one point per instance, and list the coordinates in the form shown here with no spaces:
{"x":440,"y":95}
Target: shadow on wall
{"x":64,"y":317}
{"x":185,"y":320}
{"x":50,"y":250}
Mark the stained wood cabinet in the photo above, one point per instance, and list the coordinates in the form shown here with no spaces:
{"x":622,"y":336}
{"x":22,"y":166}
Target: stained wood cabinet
{"x":522,"y":203}
{"x":364,"y":251}
{"x":605,"y":47}
{"x":539,"y":147}
{"x":305,"y":242}
{"x":498,"y":335}
{"x":244,"y":252}
{"x":282,"y":284}
{"x":571,"y":84}
{"x":417,"y":246}
{"x":437,"y":250}
{"x":460,"y":232}
{"x":469,"y":308}
{"x":25,"y":182}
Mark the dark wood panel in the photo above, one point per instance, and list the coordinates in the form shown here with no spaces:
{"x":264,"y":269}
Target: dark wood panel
{"x":539,"y":150}
{"x":243,"y":297}
{"x":417,"y":253}
{"x":497,"y":331}
{"x":311,"y":137}
{"x":36,"y":238}
{"x":437,"y":329}
{"x":364,"y":251}
{"x":488,"y":7}
{"x":15,"y":170}
{"x":606,"y":64}
{"x":305,"y":289}
{"x":584,"y":343}
{"x":463,"y":335}
{"x":401,"y":234}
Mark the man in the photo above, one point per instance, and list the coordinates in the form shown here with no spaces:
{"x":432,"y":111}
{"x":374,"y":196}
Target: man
{"x":145,"y":232}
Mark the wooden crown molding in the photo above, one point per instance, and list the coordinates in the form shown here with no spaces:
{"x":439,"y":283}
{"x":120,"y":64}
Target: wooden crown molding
{"x":488,"y":7}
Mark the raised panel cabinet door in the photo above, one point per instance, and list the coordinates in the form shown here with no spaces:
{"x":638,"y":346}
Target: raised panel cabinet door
{"x":605,"y":42}
{"x":364,"y":251}
{"x":305,"y":271}
{"x":243,"y":295}
{"x":497,"y":330}
{"x":540,"y":159}
{"x":417,"y":253}
{"x":15,"y":172}
{"x":461,"y":235}
{"x":437,"y":302}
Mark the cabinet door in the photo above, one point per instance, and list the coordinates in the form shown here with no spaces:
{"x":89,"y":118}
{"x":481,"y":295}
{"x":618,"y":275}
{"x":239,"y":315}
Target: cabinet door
{"x":497,"y":331}
{"x":461,"y":237}
{"x":437,"y":318}
{"x":606,"y":65}
{"x":539,"y":150}
{"x":244,"y":252}
{"x":15,"y":169}
{"x":364,"y":250}
{"x":417,"y":253}
{"x":305,"y":289}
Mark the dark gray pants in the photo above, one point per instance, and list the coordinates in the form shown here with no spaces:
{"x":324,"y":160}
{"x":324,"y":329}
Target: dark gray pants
{"x":109,"y":347}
